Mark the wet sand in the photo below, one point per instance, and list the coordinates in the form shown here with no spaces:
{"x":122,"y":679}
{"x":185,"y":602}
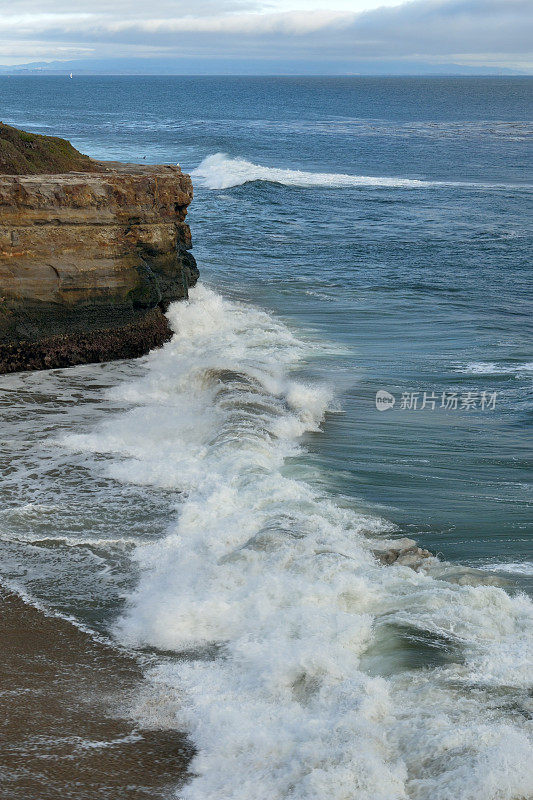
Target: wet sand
{"x":62,"y":735}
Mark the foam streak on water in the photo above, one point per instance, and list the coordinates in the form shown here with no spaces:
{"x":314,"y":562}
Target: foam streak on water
{"x":302,"y":686}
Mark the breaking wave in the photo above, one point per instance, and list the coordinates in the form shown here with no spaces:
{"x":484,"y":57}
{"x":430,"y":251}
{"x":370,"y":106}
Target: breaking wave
{"x":304,"y":668}
{"x":219,"y":171}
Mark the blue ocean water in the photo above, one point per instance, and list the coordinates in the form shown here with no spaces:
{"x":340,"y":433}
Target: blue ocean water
{"x":385,"y":224}
{"x":426,"y":287}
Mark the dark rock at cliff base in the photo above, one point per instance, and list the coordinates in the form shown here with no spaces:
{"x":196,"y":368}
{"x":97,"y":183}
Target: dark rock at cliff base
{"x":89,"y":262}
{"x":104,"y":344}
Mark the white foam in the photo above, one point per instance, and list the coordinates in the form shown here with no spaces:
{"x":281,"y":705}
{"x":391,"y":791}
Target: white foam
{"x":491,"y":368}
{"x":515,"y":568}
{"x":219,"y":171}
{"x":274,"y":584}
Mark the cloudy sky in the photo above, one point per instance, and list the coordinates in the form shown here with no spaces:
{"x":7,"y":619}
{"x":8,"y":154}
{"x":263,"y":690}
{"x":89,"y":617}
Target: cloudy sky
{"x":494,"y":33}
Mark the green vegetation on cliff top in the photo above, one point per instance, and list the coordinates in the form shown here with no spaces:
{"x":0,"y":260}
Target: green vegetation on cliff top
{"x":23,"y":153}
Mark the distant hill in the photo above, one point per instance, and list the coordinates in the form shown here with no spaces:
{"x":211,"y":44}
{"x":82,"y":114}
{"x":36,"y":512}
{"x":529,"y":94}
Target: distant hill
{"x":23,"y":153}
{"x":242,"y":66}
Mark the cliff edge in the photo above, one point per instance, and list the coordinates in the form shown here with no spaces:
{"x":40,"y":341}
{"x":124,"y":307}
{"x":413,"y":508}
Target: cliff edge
{"x":23,"y":153}
{"x":89,"y":259}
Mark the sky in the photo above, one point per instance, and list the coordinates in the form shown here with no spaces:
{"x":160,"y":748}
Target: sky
{"x":318,"y":33}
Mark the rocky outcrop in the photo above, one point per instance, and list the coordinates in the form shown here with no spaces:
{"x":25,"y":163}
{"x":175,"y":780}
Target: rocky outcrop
{"x":404,"y":552}
{"x":89,"y":262}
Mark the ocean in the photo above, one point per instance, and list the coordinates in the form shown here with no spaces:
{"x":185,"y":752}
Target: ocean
{"x":195,"y":528}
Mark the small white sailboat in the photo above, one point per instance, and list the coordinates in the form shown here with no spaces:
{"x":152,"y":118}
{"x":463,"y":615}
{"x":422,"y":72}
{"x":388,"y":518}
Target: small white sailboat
{"x":71,"y":74}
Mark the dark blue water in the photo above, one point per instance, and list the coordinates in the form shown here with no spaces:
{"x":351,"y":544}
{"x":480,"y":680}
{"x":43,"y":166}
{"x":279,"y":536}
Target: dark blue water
{"x":424,"y":287}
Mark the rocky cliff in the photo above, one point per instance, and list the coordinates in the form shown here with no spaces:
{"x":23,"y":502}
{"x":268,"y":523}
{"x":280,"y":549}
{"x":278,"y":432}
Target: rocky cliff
{"x":89,"y":261}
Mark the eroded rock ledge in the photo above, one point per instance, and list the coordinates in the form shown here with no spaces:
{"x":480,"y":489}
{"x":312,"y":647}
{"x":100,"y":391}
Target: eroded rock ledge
{"x":89,"y":262}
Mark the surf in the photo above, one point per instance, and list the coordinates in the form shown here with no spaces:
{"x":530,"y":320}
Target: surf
{"x":293,"y":672}
{"x":219,"y":171}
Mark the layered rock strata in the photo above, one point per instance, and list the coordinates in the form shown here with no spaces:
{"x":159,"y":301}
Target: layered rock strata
{"x":89,"y":262}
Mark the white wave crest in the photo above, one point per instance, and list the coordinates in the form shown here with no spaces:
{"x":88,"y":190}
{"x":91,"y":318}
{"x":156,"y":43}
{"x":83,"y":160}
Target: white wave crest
{"x":302,"y":687}
{"x":221,"y":172}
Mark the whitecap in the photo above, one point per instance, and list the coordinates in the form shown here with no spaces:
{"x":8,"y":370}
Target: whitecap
{"x":493,"y":368}
{"x":219,"y":171}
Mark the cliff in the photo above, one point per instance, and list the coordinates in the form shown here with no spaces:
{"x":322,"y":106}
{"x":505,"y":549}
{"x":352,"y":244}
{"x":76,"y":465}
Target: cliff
{"x":89,"y":261}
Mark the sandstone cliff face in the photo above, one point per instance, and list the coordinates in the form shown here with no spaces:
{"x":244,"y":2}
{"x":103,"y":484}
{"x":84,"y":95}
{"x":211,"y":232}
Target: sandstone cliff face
{"x":89,"y":261}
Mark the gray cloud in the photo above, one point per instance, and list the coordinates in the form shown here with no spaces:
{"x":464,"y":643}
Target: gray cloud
{"x":499,"y":31}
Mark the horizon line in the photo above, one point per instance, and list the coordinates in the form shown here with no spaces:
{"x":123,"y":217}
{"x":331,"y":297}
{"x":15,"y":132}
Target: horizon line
{"x":21,"y":73}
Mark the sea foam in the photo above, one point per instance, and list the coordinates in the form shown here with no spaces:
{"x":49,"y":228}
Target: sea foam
{"x":491,"y":368}
{"x":294,"y":675}
{"x":219,"y":171}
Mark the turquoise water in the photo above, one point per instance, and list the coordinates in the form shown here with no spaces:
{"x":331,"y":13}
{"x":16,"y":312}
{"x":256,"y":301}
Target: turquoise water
{"x":353,"y":235}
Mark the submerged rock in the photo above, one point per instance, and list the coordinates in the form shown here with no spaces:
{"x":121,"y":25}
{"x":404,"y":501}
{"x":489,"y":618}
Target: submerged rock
{"x":89,"y":261}
{"x":400,"y":551}
{"x":406,"y":553}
